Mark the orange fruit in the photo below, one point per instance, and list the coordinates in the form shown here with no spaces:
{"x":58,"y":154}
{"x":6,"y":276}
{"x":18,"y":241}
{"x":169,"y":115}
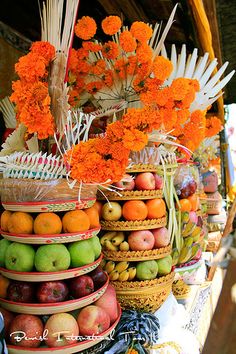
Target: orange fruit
{"x":93,"y":215}
{"x":134,"y":210}
{"x":20,"y":223}
{"x":156,"y":208}
{"x":98,"y":205}
{"x":75,"y":220}
{"x":47,"y":224}
{"x":4,"y":282}
{"x":4,"y":220}
{"x":185,"y":205}
{"x":194,"y":200}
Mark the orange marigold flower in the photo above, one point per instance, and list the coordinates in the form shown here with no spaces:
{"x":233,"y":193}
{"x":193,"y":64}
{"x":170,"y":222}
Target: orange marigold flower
{"x":120,"y":67}
{"x":127,"y":42}
{"x":73,"y":60}
{"x":82,"y":54}
{"x":73,"y":98}
{"x":162,"y":68}
{"x":107,"y":77}
{"x":138,"y":83}
{"x":141,"y":31}
{"x":182,"y":116}
{"x":179,"y":88}
{"x":144,"y":53}
{"x":115,"y":131}
{"x":92,"y":46}
{"x":31,"y":67}
{"x":144,"y":68}
{"x":132,"y":65}
{"x":110,"y":50}
{"x":162,"y":96}
{"x":213,"y":126}
{"x":85,"y":28}
{"x":169,"y":118}
{"x":135,"y":139}
{"x":94,"y":86}
{"x":111,"y":25}
{"x":44,"y":49}
{"x":83,"y":67}
{"x":98,"y":67}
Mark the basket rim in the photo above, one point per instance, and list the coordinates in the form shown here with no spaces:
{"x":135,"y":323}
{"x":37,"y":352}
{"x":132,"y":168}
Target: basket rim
{"x":132,"y":195}
{"x":134,"y":225}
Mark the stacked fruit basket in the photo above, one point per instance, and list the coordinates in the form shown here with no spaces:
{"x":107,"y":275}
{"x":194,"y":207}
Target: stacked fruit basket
{"x":135,"y":241}
{"x":51,"y":281}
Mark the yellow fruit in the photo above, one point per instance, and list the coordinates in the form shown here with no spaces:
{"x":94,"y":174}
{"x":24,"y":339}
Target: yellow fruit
{"x":4,"y":220}
{"x":114,"y":275}
{"x":110,"y":266}
{"x":124,"y":246}
{"x":20,"y":223}
{"x":120,"y":236}
{"x":109,"y":246}
{"x":124,"y":276}
{"x":121,"y":266}
{"x":47,"y":224}
{"x":132,"y":273}
{"x":107,"y":236}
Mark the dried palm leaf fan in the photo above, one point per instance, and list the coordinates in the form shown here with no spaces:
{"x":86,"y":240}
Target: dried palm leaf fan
{"x":8,"y":111}
{"x":59,"y":33}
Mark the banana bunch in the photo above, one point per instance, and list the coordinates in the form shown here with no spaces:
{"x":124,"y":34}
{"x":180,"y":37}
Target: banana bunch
{"x":120,"y":271}
{"x":114,"y":241}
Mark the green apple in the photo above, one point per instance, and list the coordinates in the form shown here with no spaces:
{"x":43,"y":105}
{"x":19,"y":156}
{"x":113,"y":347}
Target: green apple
{"x":52,"y":258}
{"x":147,"y":270}
{"x":111,"y":211}
{"x":82,"y":253}
{"x":19,"y":257}
{"x":96,"y":245}
{"x":164,"y":265}
{"x":3,"y":247}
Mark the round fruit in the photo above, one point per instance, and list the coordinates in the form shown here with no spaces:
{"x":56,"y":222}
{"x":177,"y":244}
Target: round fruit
{"x":47,"y":224}
{"x":20,"y":223}
{"x":156,"y":208}
{"x":98,"y":205}
{"x":194,"y":200}
{"x":134,"y":210}
{"x":111,"y":211}
{"x":75,"y":220}
{"x":185,"y":205}
{"x":93,"y":215}
{"x":4,"y":220}
{"x":4,"y":283}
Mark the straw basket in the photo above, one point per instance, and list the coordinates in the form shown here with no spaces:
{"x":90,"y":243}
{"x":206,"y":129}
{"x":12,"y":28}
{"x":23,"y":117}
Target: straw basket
{"x":132,"y":256}
{"x":132,"y":195}
{"x":146,"y":295}
{"x":133,"y":225}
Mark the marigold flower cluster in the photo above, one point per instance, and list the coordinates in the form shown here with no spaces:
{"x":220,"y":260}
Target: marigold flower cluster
{"x":30,"y":92}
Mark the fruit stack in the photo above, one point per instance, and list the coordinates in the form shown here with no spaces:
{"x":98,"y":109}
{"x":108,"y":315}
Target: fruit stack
{"x":191,"y":227}
{"x":49,"y":264}
{"x":135,"y":241}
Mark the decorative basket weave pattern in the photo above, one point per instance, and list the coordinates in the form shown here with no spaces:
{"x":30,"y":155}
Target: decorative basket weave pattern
{"x":133,"y":225}
{"x":132,"y":256}
{"x":132,"y":195}
{"x":146,"y":295}
{"x":141,"y":168}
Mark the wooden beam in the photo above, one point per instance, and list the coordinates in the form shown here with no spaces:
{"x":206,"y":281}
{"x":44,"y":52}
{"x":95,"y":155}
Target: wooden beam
{"x":131,"y":10}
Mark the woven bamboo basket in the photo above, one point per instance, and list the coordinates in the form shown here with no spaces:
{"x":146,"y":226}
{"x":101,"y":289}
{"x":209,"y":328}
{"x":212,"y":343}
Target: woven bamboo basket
{"x":133,"y":225}
{"x":132,"y":256}
{"x":51,"y":308}
{"x":140,"y":167}
{"x":132,"y":195}
{"x":146,"y":295}
{"x":48,"y":239}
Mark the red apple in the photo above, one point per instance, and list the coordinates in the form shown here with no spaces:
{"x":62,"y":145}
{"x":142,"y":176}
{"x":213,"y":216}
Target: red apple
{"x":61,"y":329}
{"x":127,"y":183}
{"x":141,"y":240}
{"x":161,"y":236}
{"x":7,"y":317}
{"x":99,"y":277}
{"x":158,"y":181}
{"x":81,"y":286}
{"x":93,"y":320}
{"x":20,"y":291}
{"x":108,"y":302}
{"x":26,"y":331}
{"x":52,"y":291}
{"x":145,"y":181}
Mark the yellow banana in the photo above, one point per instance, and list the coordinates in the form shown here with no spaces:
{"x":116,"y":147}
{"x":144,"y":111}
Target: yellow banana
{"x":114,"y":275}
{"x":124,"y":246}
{"x":109,"y":246}
{"x":124,"y":276}
{"x":110,"y":266}
{"x":132,"y":273}
{"x":120,"y":236}
{"x":121,"y":266}
{"x":107,"y":236}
